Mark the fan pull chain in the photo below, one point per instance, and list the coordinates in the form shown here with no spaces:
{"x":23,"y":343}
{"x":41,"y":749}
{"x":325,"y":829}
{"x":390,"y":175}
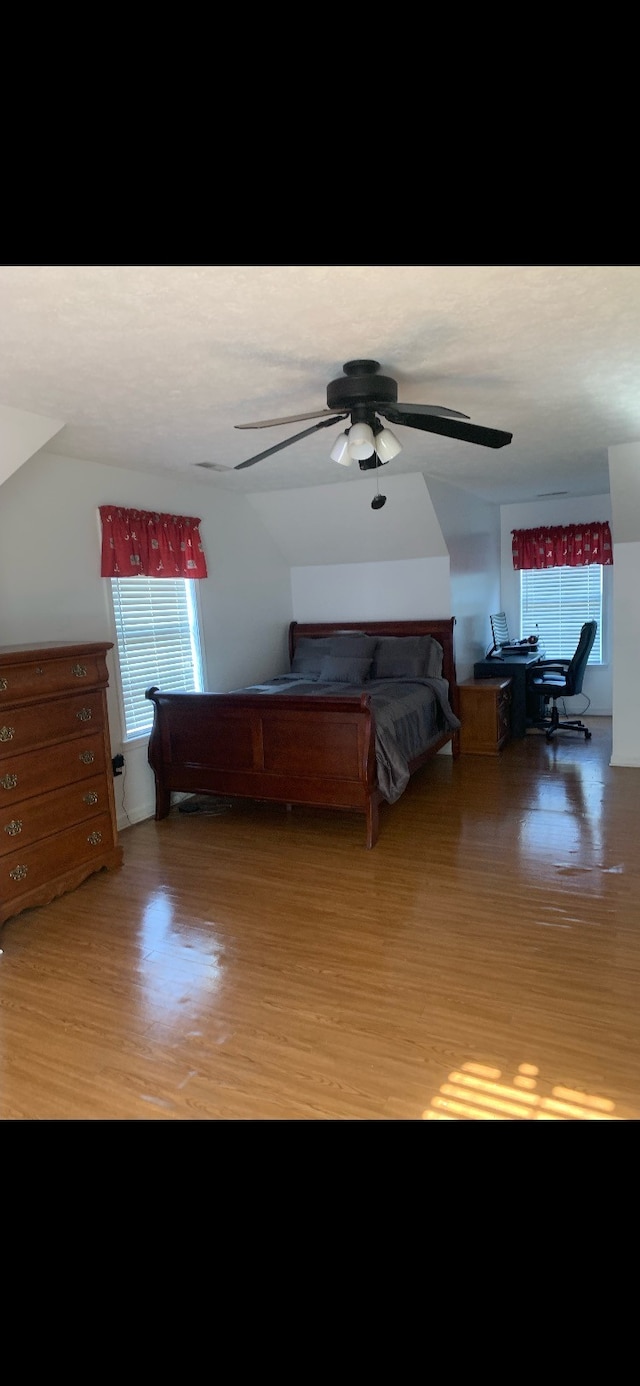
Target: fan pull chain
{"x":378,"y":500}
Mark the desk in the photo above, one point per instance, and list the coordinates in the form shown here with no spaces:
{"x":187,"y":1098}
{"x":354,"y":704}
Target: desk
{"x":523,"y":710}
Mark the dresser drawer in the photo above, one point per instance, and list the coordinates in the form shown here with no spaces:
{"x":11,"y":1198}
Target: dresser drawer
{"x":35,"y":772}
{"x":38,"y":680}
{"x":504,"y":714}
{"x":39,"y":817}
{"x":23,"y":728}
{"x":25,"y":869}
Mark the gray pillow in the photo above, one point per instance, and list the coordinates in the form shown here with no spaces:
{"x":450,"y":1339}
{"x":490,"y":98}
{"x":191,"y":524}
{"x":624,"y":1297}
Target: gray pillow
{"x":309,"y":655}
{"x":396,"y":657}
{"x":396,"y":653}
{"x":353,"y":643}
{"x":344,"y":669}
{"x":412,"y":668}
{"x":435,"y":657}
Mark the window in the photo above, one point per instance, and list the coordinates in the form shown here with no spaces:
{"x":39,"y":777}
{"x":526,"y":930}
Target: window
{"x":158,"y":643}
{"x":557,"y":602}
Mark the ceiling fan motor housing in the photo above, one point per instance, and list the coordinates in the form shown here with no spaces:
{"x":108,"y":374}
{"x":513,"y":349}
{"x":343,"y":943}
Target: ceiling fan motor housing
{"x":361,"y":385}
{"x":363,"y":393}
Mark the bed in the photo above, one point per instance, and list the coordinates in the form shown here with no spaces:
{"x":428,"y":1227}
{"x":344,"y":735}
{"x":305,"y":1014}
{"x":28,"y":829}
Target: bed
{"x":363,"y":706}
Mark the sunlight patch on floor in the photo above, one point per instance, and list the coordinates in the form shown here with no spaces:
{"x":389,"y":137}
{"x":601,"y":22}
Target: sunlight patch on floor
{"x":476,"y":1092}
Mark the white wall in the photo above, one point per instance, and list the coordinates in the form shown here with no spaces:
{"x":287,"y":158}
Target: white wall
{"x":51,"y":588}
{"x":598,"y":681}
{"x":471,"y":530}
{"x":352,"y":563}
{"x":626,"y":697}
{"x":413,"y":588}
{"x":624,"y":483}
{"x":624,"y":475}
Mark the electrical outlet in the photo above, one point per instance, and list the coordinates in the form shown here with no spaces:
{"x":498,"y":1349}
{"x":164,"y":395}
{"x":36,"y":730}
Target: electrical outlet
{"x":117,"y":764}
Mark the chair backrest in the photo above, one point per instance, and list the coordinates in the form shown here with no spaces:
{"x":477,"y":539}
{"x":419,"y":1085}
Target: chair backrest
{"x":575,"y":672}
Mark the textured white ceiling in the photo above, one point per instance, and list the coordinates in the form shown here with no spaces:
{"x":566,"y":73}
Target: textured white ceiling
{"x":152,"y":366}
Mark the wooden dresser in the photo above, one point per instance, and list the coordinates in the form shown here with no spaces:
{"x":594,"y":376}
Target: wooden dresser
{"x":57,"y":807}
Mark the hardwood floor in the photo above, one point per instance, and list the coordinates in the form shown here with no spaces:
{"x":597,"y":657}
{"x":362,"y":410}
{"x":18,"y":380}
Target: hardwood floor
{"x":482,"y":962}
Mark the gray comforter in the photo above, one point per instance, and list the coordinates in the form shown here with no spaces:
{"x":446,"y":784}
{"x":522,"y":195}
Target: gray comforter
{"x":409,"y":717}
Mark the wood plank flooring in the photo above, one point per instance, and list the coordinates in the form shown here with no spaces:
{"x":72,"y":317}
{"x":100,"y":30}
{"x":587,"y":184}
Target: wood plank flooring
{"x":481,"y":963}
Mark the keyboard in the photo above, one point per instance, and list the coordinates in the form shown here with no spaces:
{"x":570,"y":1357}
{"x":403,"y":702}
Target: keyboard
{"x":524,"y":649}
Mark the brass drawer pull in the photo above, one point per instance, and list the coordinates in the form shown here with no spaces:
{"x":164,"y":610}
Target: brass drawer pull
{"x":18,"y":873}
{"x":7,"y":733}
{"x":87,"y":757}
{"x":3,"y":685}
{"x":14,"y":827}
{"x":91,"y":797}
{"x":79,"y":671}
{"x":9,"y":781}
{"x":39,"y":669}
{"x":84,"y":715}
{"x":94,"y":838}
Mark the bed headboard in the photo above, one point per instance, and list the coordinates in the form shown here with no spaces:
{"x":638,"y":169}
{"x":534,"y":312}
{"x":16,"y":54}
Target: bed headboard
{"x":442,"y":631}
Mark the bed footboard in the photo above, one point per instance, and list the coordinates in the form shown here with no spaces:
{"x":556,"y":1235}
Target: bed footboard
{"x":278,"y":748}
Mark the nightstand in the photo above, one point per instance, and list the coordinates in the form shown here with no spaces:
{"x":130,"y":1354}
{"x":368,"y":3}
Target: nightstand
{"x":485,"y":706}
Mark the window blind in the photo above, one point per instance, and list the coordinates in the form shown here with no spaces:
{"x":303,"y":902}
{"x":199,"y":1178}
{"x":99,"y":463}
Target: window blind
{"x":158,"y":643}
{"x":555,"y":603}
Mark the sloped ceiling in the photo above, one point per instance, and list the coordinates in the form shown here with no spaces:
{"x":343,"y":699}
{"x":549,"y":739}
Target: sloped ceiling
{"x":335,"y":524}
{"x":21,"y":435}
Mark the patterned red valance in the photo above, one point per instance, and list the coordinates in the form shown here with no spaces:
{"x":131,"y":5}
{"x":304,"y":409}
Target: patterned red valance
{"x":562,"y":546}
{"x":143,"y":542}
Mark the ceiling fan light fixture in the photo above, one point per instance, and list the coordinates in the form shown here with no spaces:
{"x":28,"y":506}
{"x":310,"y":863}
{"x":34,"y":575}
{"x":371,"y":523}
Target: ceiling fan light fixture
{"x":387,"y":445}
{"x":340,"y":451}
{"x":361,"y":442}
{"x":358,"y":394}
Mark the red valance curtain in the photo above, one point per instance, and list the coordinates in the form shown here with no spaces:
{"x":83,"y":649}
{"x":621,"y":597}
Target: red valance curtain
{"x":143,"y":542}
{"x":562,"y":546}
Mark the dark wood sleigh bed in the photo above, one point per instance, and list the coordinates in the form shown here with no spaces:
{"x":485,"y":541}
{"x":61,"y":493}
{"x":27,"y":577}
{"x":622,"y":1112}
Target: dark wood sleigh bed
{"x":315,"y":752}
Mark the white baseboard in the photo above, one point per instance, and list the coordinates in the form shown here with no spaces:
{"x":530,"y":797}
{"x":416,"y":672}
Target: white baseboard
{"x":143,"y":811}
{"x":126,"y":820}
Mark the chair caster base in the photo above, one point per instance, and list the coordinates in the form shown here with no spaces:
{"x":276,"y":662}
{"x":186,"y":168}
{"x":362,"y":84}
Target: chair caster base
{"x":568,"y":726}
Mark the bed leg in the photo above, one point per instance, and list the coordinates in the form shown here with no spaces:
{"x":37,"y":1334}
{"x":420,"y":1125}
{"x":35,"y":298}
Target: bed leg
{"x":372,"y":822}
{"x":163,"y":801}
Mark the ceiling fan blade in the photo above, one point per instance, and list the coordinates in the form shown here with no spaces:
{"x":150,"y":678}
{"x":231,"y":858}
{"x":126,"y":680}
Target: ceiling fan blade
{"x":305,"y":434}
{"x":466,"y":432}
{"x":431,"y":409}
{"x":293,"y":418}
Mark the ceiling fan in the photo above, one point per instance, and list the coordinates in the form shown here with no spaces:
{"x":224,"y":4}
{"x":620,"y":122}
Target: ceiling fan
{"x":362,"y":394}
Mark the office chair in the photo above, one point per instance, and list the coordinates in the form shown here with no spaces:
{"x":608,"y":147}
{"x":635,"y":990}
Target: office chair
{"x":551,"y":679}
